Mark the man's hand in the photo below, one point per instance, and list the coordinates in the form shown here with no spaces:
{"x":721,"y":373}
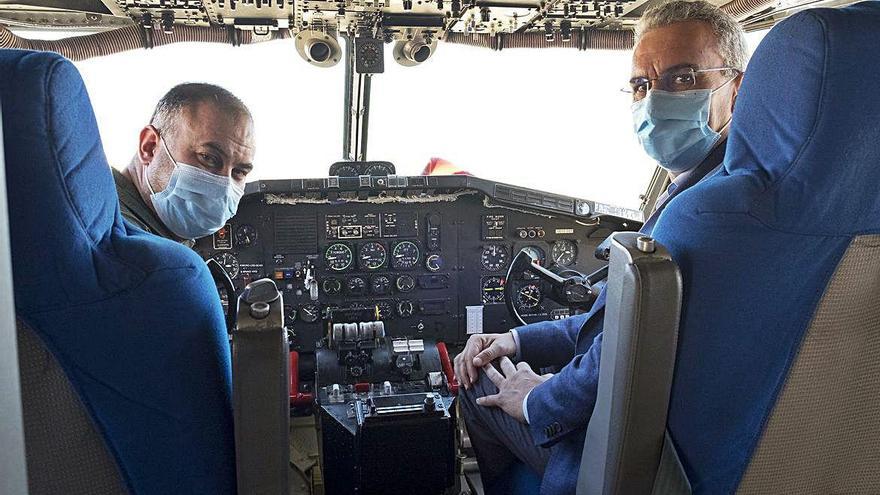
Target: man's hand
{"x":513,"y":385}
{"x":480,"y":350}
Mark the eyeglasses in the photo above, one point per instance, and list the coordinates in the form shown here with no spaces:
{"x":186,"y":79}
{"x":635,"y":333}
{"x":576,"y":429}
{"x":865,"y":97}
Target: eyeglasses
{"x":681,"y":79}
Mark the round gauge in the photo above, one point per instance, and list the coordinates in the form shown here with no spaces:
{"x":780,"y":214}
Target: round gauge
{"x":528,"y":297}
{"x":373,"y":255}
{"x":385,"y":310}
{"x":405,"y":283}
{"x":309,"y":313}
{"x":494,"y":257}
{"x":434,"y":263}
{"x":229,"y":263}
{"x":493,"y":290}
{"x":245,"y":235}
{"x":338,"y":257}
{"x":564,"y":252}
{"x":405,"y":255}
{"x":405,"y":309}
{"x":380,"y":284}
{"x":289,"y":314}
{"x":331,"y":286}
{"x":356,"y":286}
{"x":346,"y":171}
{"x":376,"y":170}
{"x":536,"y":253}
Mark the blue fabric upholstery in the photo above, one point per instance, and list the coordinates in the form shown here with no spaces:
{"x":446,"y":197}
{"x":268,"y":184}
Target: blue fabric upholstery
{"x":133,"y":319}
{"x":518,"y":479}
{"x":758,"y":242}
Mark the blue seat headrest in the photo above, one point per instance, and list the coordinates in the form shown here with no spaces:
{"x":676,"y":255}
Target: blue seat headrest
{"x":62,"y":196}
{"x":806,"y":124}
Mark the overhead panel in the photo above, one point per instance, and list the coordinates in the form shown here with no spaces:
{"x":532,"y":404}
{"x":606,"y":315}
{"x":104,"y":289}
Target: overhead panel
{"x":390,"y":20}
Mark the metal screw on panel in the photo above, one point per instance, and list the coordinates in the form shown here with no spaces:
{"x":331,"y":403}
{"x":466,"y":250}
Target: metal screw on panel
{"x":646,"y":244}
{"x":259,"y":310}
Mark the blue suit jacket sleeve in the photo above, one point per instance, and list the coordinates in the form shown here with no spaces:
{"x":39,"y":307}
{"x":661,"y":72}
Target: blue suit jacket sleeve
{"x":549,"y":343}
{"x":564,"y":403}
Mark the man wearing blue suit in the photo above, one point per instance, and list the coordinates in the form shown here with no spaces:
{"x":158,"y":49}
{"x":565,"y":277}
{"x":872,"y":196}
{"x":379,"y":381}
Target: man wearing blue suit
{"x":688,"y":63}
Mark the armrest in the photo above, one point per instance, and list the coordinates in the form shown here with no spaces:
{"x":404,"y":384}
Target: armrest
{"x":260,"y":395}
{"x":625,"y":437}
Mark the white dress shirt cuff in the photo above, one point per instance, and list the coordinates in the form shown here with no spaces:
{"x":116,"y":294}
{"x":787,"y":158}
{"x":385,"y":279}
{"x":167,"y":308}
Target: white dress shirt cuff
{"x":525,"y":407}
{"x":517,"y":356}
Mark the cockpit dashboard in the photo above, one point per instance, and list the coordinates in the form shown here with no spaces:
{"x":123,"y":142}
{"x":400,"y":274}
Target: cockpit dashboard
{"x":427,"y":255}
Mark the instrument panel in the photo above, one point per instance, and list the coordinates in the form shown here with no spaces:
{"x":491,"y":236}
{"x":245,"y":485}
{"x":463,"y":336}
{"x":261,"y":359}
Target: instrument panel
{"x":429,"y":264}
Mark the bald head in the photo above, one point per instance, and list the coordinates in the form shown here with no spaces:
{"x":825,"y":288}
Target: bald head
{"x":187,"y":97}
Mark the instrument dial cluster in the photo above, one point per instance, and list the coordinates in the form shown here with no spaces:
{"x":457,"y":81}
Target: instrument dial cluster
{"x":422,"y":266}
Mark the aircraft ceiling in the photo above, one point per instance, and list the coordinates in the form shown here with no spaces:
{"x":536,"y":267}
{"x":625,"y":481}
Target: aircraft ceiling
{"x":540,"y":23}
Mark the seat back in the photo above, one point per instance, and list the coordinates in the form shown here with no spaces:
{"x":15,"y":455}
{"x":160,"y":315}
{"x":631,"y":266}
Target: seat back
{"x":123,"y":327}
{"x":776,"y":386}
{"x":822,"y":435}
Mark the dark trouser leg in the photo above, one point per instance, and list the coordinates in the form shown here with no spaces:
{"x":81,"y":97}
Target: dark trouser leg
{"x":497,"y":438}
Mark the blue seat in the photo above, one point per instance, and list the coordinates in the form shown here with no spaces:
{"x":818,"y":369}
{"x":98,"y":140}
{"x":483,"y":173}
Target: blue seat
{"x":777,"y":383}
{"x":132,"y":321}
{"x":518,"y":479}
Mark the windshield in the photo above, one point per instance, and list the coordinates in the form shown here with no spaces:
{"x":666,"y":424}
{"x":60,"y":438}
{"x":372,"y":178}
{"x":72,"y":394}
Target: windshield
{"x":552,"y":120}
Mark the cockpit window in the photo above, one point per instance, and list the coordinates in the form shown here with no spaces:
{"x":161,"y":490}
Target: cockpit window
{"x":553,"y":120}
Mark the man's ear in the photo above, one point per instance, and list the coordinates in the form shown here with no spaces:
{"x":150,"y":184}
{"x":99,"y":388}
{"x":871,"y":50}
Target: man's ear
{"x":736,"y":84}
{"x":148,"y":144}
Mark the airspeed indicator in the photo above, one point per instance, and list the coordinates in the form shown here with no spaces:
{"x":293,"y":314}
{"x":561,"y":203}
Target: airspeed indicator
{"x":338,"y":257}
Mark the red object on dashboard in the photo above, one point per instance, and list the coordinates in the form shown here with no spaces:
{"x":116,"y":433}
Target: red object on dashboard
{"x":297,"y":398}
{"x":446,"y":363}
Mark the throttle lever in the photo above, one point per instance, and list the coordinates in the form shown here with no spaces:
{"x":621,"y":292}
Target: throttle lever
{"x":310,"y":283}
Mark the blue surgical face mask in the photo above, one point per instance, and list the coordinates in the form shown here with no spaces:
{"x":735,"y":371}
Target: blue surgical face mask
{"x":196,"y":202}
{"x":673,"y":128}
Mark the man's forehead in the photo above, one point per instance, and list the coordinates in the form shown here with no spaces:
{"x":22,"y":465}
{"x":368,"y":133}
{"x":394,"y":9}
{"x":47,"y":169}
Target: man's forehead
{"x":687,"y":43}
{"x":205,"y":123}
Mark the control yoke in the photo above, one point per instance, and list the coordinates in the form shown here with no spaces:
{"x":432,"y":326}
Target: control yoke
{"x":574,"y":291}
